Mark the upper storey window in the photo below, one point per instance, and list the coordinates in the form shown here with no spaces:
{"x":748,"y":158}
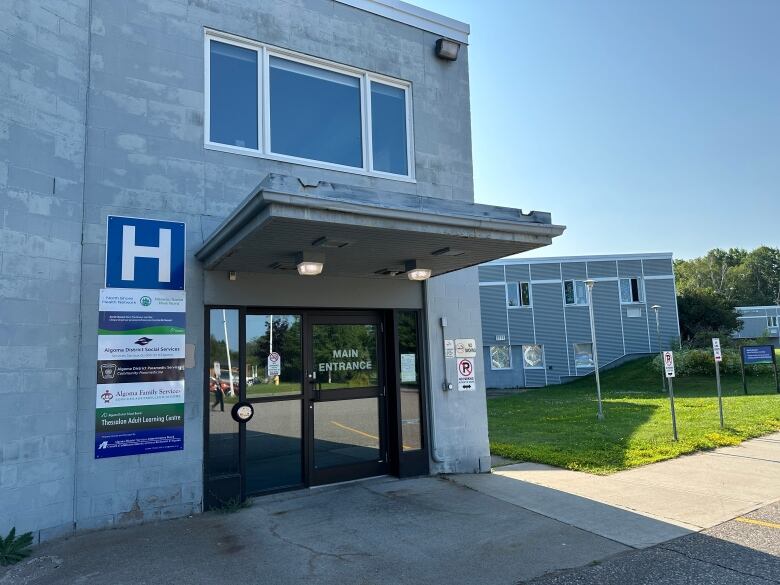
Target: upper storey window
{"x":233,"y":92}
{"x":268,"y":102}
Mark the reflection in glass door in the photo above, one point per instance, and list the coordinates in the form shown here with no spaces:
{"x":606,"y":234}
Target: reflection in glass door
{"x":273,"y":444}
{"x":318,"y":383}
{"x":347,"y":409}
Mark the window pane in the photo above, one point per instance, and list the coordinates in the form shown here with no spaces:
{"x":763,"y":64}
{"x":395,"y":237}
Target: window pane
{"x":315,"y":113}
{"x":625,"y":290}
{"x":273,"y":446}
{"x":512,"y":295}
{"x":500,"y":357}
{"x":411,"y":431}
{"x":582,"y":293}
{"x":388,"y":128}
{"x":345,"y":356}
{"x":568,"y":288}
{"x":273,"y":355}
{"x":583,"y":355}
{"x":525,"y":294}
{"x":233,"y":95}
{"x":223,"y":391}
{"x":533,"y":356}
{"x":345,"y":432}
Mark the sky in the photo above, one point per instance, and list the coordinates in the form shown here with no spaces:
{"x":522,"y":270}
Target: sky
{"x":642,"y":126}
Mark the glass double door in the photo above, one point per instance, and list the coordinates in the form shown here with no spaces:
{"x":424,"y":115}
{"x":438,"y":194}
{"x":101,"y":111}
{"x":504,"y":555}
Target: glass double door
{"x":317,"y":385}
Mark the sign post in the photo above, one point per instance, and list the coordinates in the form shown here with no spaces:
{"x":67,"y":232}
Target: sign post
{"x":758,"y":354}
{"x":669,"y":369}
{"x":718,"y":354}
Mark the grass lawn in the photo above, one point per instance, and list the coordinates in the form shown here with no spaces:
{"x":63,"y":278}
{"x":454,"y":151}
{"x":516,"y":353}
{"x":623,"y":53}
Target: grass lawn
{"x":557,"y":425}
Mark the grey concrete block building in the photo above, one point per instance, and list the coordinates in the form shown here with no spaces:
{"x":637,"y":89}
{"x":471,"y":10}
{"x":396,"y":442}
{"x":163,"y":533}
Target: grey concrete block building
{"x":759,"y":322}
{"x":536,"y":322}
{"x":289,"y":137}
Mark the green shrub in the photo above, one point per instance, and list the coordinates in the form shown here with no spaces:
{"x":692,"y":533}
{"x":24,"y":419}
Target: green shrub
{"x":700,"y":362}
{"x":15,"y":548}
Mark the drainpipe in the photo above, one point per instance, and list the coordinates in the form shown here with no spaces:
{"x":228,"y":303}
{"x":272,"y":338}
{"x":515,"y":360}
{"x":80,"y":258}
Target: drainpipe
{"x":434,"y":454}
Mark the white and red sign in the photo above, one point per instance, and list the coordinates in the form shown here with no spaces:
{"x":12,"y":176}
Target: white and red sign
{"x":716,"y":349}
{"x":466,"y":378}
{"x":669,"y":364}
{"x":274,"y":367}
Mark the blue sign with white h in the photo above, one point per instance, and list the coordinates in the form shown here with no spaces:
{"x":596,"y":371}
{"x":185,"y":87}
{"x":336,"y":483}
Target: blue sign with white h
{"x":144,"y":253}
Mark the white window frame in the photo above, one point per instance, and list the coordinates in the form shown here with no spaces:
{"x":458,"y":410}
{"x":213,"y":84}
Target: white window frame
{"x":771,"y":321}
{"x":574,"y":284}
{"x":574,"y":354}
{"x":509,"y":351}
{"x":640,"y":283}
{"x":522,"y":356}
{"x":518,"y":286}
{"x":264,"y":53}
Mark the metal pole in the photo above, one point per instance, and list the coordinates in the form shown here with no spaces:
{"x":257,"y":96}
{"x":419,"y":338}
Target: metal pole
{"x":589,"y":284}
{"x":720,"y":397}
{"x":227,"y":350}
{"x":671,"y":401}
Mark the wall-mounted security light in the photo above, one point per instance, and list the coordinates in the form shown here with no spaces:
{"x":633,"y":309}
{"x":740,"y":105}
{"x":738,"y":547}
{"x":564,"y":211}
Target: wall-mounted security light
{"x":232,"y":275}
{"x":415,"y":272}
{"x":309,"y":263}
{"x":447,"y":49}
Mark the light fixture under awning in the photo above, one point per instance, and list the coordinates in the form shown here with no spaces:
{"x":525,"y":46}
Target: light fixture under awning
{"x":282,"y":217}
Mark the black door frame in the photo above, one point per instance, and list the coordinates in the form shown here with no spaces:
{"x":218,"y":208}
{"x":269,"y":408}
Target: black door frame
{"x":314,"y":396}
{"x":396,"y":461}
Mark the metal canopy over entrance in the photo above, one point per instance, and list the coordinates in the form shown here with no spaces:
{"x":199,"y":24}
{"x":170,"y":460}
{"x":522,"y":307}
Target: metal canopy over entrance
{"x":336,"y":394}
{"x":366,"y":233}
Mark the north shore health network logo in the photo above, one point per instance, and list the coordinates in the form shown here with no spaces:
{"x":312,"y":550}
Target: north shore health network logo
{"x":145,"y":301}
{"x":143,"y":341}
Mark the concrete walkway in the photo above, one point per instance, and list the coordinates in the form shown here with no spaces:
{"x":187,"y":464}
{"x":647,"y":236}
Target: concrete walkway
{"x":422,"y":531}
{"x":645,"y":506}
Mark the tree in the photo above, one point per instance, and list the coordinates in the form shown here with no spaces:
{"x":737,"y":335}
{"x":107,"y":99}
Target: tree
{"x":757,"y":278}
{"x":714,"y":272}
{"x":704,"y":312}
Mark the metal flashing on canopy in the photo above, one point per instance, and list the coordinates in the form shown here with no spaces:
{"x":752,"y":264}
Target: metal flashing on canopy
{"x":282,"y":218}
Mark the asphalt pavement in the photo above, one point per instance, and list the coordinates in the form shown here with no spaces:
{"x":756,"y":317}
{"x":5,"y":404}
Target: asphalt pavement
{"x":743,"y":551}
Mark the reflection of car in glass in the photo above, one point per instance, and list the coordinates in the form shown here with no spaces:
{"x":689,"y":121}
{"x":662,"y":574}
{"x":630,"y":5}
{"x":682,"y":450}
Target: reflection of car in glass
{"x":224,"y":384}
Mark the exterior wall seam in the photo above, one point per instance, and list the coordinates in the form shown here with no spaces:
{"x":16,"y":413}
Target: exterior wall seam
{"x":622,"y":328}
{"x":565,"y":325}
{"x":74,"y":515}
{"x":647,"y":317}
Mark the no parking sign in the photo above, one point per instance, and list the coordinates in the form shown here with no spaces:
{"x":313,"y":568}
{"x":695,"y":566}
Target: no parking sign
{"x":274,"y":364}
{"x":466,"y":379}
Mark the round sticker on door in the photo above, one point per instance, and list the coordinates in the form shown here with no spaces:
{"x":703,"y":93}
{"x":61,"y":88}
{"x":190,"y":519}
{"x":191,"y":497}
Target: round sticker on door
{"x":242,"y":412}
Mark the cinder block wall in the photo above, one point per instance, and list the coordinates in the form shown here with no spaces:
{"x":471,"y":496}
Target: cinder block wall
{"x":101,"y":112}
{"x":43,"y":81}
{"x":146,"y":158}
{"x":459,"y":418}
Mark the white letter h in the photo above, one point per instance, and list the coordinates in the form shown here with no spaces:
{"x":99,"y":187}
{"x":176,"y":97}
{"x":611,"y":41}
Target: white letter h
{"x":130,"y":251}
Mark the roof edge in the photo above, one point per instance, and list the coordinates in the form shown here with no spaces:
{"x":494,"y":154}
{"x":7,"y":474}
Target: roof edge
{"x":586,"y":258}
{"x":415,"y":16}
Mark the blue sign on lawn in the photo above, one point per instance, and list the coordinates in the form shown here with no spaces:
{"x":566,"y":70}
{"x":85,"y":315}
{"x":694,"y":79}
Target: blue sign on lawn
{"x":144,"y":253}
{"x":757,"y":354}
